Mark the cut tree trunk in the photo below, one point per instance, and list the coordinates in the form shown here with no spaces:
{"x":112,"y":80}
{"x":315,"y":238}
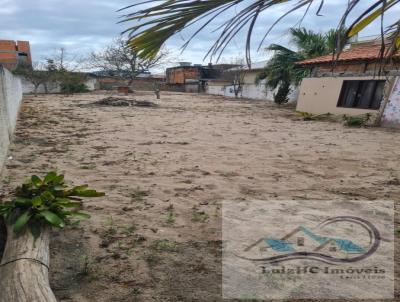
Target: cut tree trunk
{"x":24,"y":274}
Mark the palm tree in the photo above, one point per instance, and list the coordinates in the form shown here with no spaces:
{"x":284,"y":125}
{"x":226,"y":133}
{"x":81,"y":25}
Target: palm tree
{"x":282,"y":71}
{"x":157,"y":22}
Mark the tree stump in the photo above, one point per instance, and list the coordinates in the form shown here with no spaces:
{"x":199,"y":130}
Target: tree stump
{"x":24,"y":273}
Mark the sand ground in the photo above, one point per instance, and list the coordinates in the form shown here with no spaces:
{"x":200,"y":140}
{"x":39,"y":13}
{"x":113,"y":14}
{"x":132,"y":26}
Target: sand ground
{"x":156,"y":236}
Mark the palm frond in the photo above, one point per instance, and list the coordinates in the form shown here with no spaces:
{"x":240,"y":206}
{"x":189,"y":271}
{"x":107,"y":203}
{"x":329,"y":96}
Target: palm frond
{"x":162,"y":19}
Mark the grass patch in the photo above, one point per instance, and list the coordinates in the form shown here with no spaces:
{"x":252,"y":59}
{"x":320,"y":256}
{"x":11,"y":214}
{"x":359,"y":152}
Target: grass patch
{"x":138,"y":195}
{"x":152,"y":259}
{"x":88,"y":167}
{"x":200,"y":216}
{"x":171,"y":218}
{"x":164,"y":245}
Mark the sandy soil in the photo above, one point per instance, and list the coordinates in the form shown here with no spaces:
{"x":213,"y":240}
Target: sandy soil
{"x":156,"y":236}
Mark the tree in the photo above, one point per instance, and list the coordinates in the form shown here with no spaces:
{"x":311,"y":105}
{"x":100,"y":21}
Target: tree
{"x":239,"y":74}
{"x":121,"y":61}
{"x":36,"y":74}
{"x":157,"y":22}
{"x":282,"y":71}
{"x":65,"y":71}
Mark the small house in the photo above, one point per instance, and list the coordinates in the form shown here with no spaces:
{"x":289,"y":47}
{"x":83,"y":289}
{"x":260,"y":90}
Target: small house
{"x":358,"y":82}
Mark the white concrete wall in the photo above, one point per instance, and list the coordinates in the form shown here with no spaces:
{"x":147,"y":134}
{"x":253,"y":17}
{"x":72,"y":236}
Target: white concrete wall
{"x":216,"y":89}
{"x":92,"y":84}
{"x":29,"y":88}
{"x":321,"y":95}
{"x":391,"y":114}
{"x":10,"y":101}
{"x":250,"y":91}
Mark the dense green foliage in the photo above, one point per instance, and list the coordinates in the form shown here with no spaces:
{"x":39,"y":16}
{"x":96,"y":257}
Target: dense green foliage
{"x":45,"y":201}
{"x":72,"y":82}
{"x":282,"y":70}
{"x":282,"y":95}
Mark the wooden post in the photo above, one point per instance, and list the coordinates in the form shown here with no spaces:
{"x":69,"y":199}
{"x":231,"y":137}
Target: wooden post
{"x":24,"y":273}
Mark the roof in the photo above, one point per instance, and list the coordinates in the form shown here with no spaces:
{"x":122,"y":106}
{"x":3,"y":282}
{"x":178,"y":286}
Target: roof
{"x":259,"y":65}
{"x":363,"y":52}
{"x":158,"y":76}
{"x":254,"y":66}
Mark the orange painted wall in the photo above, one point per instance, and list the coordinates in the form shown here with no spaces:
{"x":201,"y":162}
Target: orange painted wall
{"x":10,"y":50}
{"x":180,"y":75}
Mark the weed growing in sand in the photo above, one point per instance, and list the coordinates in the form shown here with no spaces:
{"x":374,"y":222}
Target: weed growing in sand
{"x":8,"y":179}
{"x":164,"y":245}
{"x":122,"y":246}
{"x":129,"y":230}
{"x":357,"y":121}
{"x":199,"y":216}
{"x":110,"y":223}
{"x":107,"y":235}
{"x":85,"y":265}
{"x":88,"y":167}
{"x":152,"y":259}
{"x":135,"y":294}
{"x":138,"y":195}
{"x":88,"y":267}
{"x":171,"y":217}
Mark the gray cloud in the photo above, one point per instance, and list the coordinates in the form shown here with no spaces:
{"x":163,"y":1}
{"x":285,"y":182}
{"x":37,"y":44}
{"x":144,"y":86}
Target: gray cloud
{"x":85,"y":25}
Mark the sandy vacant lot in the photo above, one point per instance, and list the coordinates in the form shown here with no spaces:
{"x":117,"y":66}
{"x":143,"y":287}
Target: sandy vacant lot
{"x":156,"y":236}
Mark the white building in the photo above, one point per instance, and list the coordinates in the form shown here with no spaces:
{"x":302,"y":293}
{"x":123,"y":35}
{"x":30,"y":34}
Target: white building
{"x":224,"y":86}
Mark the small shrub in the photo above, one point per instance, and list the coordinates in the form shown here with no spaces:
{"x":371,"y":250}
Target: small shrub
{"x":74,"y":88}
{"x":47,"y":201}
{"x":282,"y":95}
{"x":152,"y":259}
{"x":306,"y":116}
{"x":164,"y":246}
{"x":171,"y":218}
{"x":200,"y":216}
{"x":138,"y":195}
{"x":356,"y":121}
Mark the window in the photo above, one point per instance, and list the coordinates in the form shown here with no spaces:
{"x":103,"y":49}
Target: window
{"x":361,"y":94}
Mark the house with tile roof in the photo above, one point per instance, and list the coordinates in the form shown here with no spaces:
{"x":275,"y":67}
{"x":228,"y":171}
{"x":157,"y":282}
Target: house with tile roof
{"x":359,"y":81}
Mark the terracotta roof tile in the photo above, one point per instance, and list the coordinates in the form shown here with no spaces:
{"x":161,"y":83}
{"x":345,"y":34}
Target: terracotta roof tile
{"x":356,"y":53}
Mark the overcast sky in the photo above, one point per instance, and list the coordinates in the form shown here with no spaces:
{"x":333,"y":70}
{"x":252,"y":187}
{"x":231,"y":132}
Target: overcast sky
{"x":82,"y":26}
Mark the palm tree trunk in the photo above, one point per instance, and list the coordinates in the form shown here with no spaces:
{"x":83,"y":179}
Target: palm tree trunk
{"x":24,"y":274}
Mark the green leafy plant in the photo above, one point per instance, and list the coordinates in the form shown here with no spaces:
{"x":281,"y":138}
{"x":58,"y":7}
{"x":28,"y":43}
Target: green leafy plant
{"x":306,"y":116}
{"x":47,"y":201}
{"x":357,"y":121}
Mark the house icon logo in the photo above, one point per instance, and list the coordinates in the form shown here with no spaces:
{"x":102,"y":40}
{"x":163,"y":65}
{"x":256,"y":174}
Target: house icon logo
{"x":307,"y":243}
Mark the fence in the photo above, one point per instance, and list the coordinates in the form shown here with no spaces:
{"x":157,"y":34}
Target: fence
{"x":10,"y":101}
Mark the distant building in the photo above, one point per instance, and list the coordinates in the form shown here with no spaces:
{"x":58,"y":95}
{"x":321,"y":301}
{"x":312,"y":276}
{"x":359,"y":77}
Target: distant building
{"x":12,"y":53}
{"x":193,"y":78}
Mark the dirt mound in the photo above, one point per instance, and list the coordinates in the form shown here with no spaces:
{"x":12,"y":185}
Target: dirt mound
{"x":122,"y":102}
